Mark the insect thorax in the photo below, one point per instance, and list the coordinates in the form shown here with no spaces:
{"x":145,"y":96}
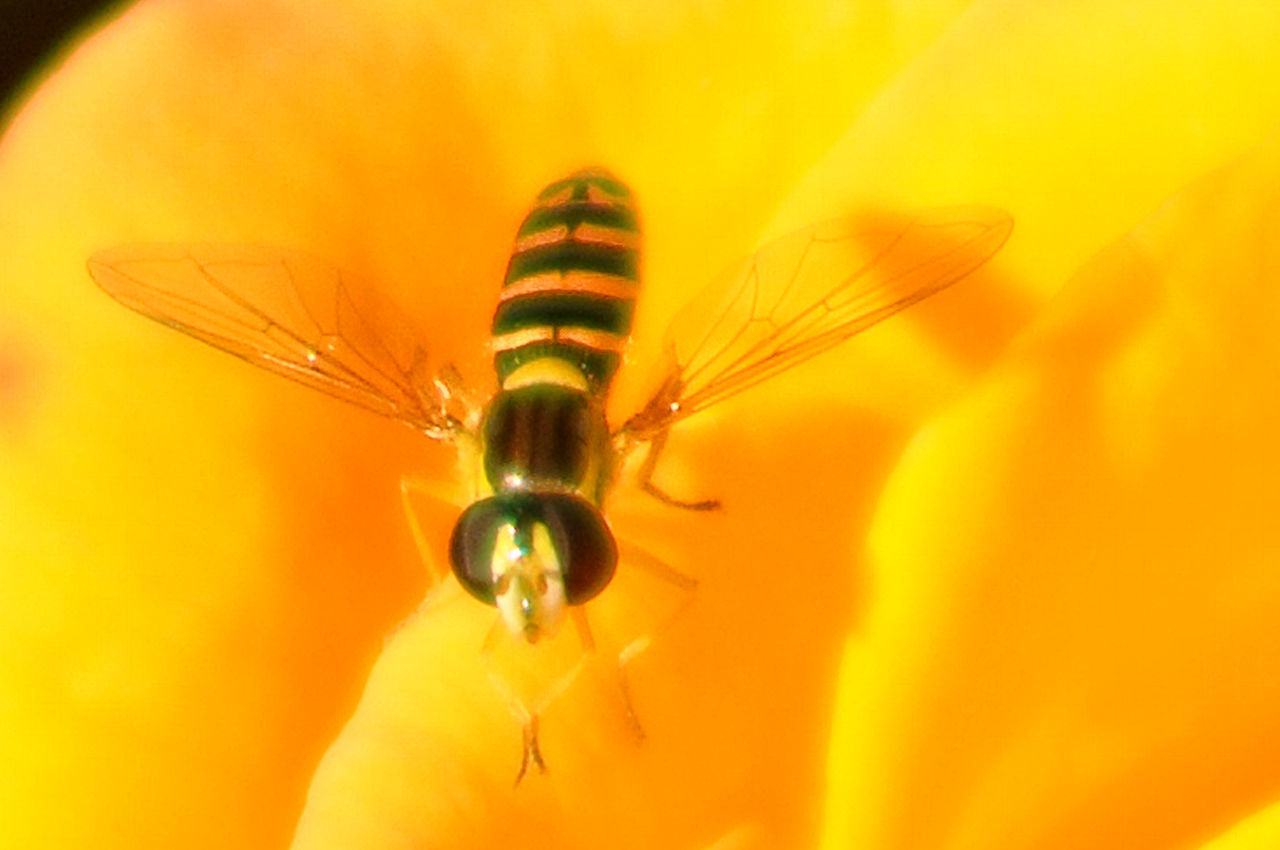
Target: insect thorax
{"x":546,"y":436}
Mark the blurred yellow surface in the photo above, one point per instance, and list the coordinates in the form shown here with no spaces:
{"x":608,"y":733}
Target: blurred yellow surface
{"x":1058,"y":635}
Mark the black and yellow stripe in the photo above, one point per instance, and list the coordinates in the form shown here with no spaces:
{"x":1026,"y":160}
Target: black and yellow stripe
{"x":572,"y":280}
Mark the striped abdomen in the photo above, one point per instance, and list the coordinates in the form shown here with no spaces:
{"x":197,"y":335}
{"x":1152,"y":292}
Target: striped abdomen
{"x":572,"y":280}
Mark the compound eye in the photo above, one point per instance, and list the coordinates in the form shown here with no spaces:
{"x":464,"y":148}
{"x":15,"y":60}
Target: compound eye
{"x":588,"y":554}
{"x":471,"y":547}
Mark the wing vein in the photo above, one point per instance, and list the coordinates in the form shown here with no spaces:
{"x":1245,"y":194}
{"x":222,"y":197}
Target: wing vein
{"x":806,"y":292}
{"x":289,"y":314}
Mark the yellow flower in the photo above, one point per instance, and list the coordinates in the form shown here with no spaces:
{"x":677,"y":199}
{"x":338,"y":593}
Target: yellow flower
{"x":1054,"y":607}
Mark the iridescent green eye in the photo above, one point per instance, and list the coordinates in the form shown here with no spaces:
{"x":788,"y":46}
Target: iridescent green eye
{"x":584,"y":547}
{"x":588,"y":554}
{"x":471,"y":547}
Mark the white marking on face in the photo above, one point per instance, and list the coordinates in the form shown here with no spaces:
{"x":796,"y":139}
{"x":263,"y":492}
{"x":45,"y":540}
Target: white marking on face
{"x":528,"y":584}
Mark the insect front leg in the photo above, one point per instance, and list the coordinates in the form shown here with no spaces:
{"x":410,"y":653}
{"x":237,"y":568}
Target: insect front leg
{"x":442,"y":508}
{"x":440,"y":590}
{"x":645,"y":477}
{"x":525,"y":714}
{"x":527,"y":718}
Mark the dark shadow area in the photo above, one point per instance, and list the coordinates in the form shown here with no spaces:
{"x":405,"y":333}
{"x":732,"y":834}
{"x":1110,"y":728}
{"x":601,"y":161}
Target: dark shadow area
{"x":32,"y":32}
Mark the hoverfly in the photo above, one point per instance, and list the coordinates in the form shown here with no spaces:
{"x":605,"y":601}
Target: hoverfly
{"x":534,"y":542}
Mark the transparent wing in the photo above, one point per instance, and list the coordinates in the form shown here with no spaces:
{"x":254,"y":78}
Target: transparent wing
{"x":806,"y":292}
{"x":289,"y":314}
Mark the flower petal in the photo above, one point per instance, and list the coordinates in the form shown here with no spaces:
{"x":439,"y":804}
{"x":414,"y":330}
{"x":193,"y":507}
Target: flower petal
{"x":179,"y":532}
{"x":1073,"y":639}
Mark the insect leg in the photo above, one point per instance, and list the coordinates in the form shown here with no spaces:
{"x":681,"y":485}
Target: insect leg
{"x":528,"y":720}
{"x":430,"y":492}
{"x":528,"y":716}
{"x":654,"y":566}
{"x":579,"y":615}
{"x":645,"y":477}
{"x":440,"y":590}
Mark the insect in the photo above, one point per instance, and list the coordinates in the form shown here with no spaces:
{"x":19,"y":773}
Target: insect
{"x":534,"y":542}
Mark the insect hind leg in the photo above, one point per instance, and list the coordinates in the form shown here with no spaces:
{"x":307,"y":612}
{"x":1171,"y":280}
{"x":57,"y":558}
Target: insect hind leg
{"x":645,"y":477}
